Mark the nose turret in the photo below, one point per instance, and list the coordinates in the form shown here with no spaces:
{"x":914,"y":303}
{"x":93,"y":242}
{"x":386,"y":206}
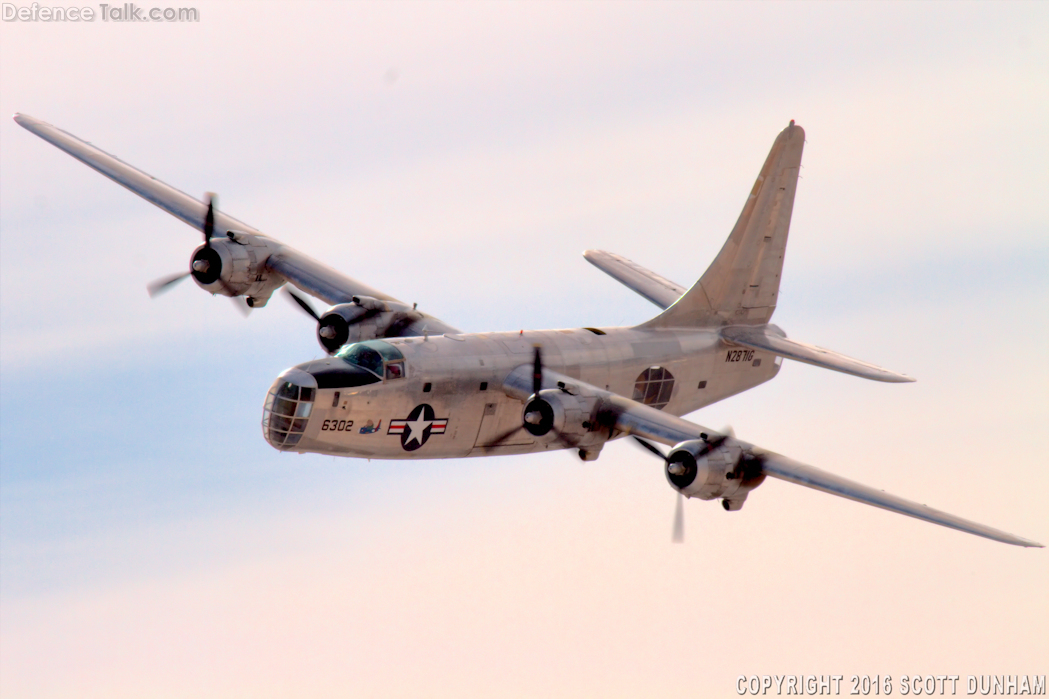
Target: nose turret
{"x":288,"y":407}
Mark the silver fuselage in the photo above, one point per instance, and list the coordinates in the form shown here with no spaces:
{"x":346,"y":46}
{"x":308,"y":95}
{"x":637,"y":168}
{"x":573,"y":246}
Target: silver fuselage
{"x":460,"y":377}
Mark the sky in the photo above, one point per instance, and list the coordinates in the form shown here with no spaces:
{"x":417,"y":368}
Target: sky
{"x":462,"y":156}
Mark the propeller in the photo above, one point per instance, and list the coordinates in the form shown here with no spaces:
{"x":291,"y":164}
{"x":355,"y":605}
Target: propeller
{"x":712,"y":443}
{"x":532,"y":417}
{"x":539,"y":411}
{"x":201,"y":263}
{"x":678,"y":535}
{"x":159,"y":286}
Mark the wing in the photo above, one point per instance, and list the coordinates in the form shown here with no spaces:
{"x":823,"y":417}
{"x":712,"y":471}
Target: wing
{"x":633,"y":418}
{"x":659,"y":290}
{"x":289,"y":264}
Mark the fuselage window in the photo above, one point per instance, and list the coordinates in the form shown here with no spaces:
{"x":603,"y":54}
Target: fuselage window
{"x":394,"y":370}
{"x":654,"y":387}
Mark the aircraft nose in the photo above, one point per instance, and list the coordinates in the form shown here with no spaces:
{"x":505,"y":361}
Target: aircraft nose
{"x":288,"y":407}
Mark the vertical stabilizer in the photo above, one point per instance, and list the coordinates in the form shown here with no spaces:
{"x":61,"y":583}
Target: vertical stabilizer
{"x":742,"y":284}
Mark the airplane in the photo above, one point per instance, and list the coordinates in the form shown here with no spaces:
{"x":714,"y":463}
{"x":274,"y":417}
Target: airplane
{"x":398,"y":383}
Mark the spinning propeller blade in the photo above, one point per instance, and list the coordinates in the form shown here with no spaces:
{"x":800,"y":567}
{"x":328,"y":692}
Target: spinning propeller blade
{"x":159,"y":286}
{"x":209,"y":218}
{"x":303,"y":304}
{"x":651,"y":447}
{"x":537,"y":371}
{"x":241,"y":304}
{"x":678,"y":537}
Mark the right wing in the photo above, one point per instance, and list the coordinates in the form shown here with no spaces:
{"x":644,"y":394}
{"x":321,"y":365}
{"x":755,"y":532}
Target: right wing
{"x":633,"y":418}
{"x":291,"y":265}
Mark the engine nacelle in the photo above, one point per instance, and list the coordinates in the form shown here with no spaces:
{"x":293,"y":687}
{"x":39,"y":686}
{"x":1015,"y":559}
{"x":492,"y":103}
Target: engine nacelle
{"x":725,"y":470}
{"x":366,"y":318}
{"x":235,"y":266}
{"x":565,"y":416}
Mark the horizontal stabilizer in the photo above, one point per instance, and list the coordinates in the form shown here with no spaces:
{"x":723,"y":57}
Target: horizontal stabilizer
{"x":659,"y":290}
{"x":769,"y":338}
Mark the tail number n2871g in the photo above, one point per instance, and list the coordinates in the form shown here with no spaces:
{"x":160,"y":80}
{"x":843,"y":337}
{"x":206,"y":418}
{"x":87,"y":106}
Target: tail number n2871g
{"x":739,"y":355}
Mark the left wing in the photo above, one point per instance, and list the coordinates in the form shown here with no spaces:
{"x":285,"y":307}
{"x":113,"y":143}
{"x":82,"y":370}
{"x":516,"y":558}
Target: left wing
{"x":270,"y":255}
{"x":633,"y":418}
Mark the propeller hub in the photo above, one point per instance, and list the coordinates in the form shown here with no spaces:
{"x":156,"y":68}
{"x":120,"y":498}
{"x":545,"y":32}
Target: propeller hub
{"x":677,"y":468}
{"x":682,"y":468}
{"x":206,"y":265}
{"x":538,"y":417}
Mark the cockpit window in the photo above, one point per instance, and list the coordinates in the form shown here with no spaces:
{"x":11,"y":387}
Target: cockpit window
{"x":361,"y":355}
{"x":372,"y":355}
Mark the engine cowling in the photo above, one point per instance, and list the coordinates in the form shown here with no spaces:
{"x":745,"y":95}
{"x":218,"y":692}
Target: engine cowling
{"x":235,"y":266}
{"x":563,"y":415}
{"x":707,"y":471}
{"x":365,"y":318}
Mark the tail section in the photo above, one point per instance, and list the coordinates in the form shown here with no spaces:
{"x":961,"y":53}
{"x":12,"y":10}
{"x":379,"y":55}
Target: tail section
{"x":742,"y":284}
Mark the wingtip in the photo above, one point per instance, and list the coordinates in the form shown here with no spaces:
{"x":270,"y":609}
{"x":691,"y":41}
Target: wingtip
{"x":1007,"y":538}
{"x":887,"y":376}
{"x":26,"y":121}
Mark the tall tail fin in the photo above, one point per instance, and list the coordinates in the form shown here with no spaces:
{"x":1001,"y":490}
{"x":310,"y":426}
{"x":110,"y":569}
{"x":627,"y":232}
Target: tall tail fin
{"x":742,"y":284}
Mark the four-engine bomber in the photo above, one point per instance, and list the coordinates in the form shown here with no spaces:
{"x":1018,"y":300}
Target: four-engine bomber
{"x":398,"y":383}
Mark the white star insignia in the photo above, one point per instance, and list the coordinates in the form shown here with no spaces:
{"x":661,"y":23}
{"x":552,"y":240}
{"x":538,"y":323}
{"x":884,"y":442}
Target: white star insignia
{"x":416,"y":429}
